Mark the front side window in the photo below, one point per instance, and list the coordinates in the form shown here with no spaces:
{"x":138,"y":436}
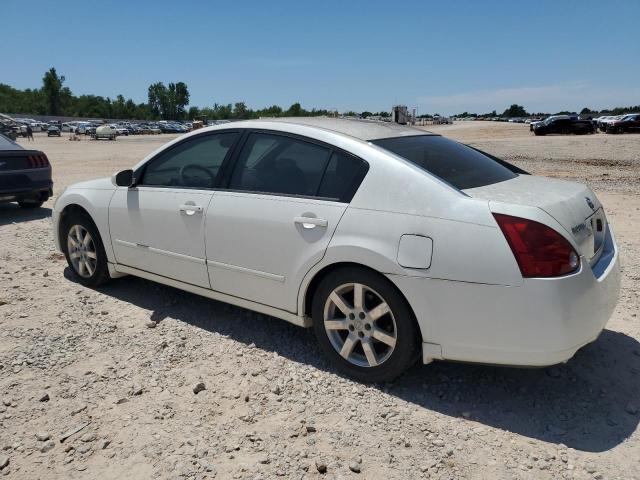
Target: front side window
{"x":279,"y":164}
{"x":453,"y":162}
{"x":194,"y":163}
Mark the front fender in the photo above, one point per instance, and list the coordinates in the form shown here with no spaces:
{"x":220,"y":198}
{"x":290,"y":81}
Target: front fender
{"x":96,"y":203}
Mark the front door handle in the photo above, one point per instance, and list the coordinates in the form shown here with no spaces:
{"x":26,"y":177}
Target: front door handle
{"x":310,"y":222}
{"x":190,"y":209}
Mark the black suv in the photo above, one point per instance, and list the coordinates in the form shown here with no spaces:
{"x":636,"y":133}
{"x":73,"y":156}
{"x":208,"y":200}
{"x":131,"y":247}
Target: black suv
{"x":25,"y":175}
{"x":564,"y":126}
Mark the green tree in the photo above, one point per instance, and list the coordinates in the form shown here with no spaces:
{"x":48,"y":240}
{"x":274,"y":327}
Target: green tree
{"x":119,"y":107}
{"x":52,"y":88}
{"x":272,"y":111}
{"x":193,"y":112}
{"x":295,"y":110}
{"x":157,"y":95}
{"x":181,"y":100}
{"x":515,"y":110}
{"x":240,"y":110}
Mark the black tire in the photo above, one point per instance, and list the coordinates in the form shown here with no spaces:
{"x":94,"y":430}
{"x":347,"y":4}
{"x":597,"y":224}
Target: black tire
{"x":408,"y":337}
{"x":30,"y":203}
{"x":100,"y":275}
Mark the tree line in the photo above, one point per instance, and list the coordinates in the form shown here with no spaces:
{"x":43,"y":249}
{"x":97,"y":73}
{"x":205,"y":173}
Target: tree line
{"x":170,"y":102}
{"x":165,"y":102}
{"x":516,"y":110}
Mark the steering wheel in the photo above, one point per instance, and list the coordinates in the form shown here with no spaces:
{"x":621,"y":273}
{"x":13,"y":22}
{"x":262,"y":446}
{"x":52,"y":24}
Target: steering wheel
{"x":183,"y":177}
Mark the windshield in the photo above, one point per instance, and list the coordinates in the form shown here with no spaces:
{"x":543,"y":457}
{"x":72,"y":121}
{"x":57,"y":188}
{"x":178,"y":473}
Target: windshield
{"x":455,"y":163}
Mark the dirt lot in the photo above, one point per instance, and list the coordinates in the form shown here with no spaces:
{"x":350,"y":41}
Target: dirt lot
{"x":121,"y":362}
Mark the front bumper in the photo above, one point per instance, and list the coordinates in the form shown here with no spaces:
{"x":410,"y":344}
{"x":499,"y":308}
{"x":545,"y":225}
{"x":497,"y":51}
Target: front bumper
{"x":542,"y":322}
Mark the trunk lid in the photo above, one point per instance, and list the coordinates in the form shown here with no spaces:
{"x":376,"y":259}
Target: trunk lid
{"x":573,"y":205}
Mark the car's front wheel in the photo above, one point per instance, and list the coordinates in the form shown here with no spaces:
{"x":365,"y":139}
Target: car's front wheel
{"x":364,"y":325}
{"x":84,"y":251}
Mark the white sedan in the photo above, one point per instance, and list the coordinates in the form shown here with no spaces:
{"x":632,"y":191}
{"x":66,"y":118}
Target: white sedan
{"x":393,"y":243}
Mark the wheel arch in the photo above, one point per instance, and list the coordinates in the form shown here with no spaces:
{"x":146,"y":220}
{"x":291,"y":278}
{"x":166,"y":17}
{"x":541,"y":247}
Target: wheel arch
{"x":94,"y":203}
{"x":312,"y":286}
{"x":65,"y":214}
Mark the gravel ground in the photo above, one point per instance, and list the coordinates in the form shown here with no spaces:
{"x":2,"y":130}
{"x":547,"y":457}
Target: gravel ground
{"x":101,"y":383}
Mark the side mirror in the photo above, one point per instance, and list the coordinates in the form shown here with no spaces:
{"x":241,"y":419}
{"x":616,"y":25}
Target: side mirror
{"x":123,"y":178}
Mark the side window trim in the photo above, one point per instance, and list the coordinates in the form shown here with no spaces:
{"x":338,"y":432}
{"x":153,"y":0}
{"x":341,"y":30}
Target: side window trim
{"x":225,"y":180}
{"x":140,"y":172}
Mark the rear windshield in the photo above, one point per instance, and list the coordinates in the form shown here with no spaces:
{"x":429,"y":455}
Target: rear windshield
{"x":459,"y":165}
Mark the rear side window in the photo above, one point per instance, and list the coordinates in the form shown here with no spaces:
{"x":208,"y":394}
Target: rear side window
{"x":456,"y":164}
{"x":279,"y":164}
{"x":342,"y":177}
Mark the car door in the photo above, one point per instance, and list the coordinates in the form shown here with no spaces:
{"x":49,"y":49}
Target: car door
{"x":284,"y":199}
{"x":559,"y":126}
{"x":158,"y":225}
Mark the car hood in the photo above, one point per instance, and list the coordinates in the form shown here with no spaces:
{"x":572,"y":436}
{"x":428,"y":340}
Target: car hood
{"x":97,"y":184}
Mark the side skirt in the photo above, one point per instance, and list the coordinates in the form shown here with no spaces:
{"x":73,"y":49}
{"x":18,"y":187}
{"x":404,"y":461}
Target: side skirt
{"x":120,"y":270}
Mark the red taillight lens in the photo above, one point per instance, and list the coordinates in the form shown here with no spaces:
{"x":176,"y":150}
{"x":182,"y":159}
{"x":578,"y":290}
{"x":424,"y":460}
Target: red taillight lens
{"x":38,"y":161}
{"x":539,"y":250}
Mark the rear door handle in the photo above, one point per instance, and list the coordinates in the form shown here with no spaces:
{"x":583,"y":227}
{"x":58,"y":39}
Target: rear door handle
{"x":190,"y":209}
{"x":310,"y":222}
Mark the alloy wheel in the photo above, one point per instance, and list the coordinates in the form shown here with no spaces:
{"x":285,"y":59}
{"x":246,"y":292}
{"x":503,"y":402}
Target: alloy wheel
{"x":82,"y":251}
{"x":360,"y":325}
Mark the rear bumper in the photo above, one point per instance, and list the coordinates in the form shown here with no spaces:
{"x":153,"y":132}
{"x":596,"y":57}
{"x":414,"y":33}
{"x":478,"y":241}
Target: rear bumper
{"x":542,"y":322}
{"x":29,"y":184}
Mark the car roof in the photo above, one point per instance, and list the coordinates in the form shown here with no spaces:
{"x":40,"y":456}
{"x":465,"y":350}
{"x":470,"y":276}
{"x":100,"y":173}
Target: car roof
{"x":361,"y":129}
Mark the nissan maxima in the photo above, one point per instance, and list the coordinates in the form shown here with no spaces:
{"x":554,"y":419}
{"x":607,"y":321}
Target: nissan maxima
{"x":392,"y":243}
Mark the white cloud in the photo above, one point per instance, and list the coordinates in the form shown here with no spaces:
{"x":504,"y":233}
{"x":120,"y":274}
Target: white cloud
{"x":545,"y":98}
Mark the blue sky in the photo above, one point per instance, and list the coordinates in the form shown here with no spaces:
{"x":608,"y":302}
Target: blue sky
{"x":445,"y":56}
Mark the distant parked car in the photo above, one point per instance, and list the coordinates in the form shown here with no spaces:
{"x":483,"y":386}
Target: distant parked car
{"x":9,"y":130}
{"x":564,"y":126}
{"x":25,"y":175}
{"x":121,"y":130}
{"x":69,"y":127}
{"x":171,"y":128}
{"x":603,"y":122}
{"x":106,"y":131}
{"x":627,"y":124}
{"x":540,"y":121}
{"x":53,"y":131}
{"x":37,"y":126}
{"x":83,"y":127}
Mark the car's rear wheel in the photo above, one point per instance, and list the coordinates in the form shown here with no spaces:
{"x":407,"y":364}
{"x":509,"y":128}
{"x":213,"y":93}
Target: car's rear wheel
{"x":364,"y":325}
{"x":30,"y":203}
{"x":84,"y":251}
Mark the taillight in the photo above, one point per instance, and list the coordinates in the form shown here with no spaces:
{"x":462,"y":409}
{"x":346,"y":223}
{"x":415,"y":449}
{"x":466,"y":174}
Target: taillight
{"x":539,"y":250}
{"x":38,"y":161}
